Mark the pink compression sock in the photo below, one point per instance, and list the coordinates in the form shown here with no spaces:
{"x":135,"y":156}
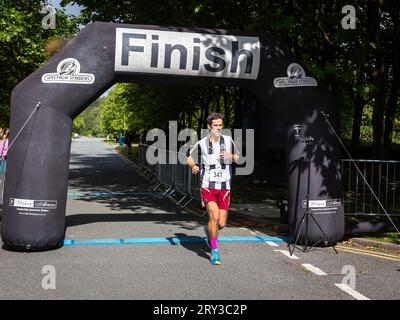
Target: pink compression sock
{"x":213,"y":242}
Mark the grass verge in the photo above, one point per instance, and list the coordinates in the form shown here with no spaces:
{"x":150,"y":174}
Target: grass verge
{"x":389,"y":237}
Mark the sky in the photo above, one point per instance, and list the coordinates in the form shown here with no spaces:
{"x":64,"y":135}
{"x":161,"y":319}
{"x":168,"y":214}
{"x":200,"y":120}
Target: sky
{"x":74,"y":9}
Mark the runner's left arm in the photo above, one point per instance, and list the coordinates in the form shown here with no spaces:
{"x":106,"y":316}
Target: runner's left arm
{"x":234,"y":156}
{"x":235,"y":152}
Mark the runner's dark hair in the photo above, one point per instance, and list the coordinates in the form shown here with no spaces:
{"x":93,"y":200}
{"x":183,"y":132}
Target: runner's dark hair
{"x":214,"y":116}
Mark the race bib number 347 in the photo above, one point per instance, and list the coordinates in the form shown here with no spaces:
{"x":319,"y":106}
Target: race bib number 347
{"x":217,"y":175}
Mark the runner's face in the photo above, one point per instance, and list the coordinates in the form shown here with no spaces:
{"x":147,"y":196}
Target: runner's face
{"x":216,"y":127}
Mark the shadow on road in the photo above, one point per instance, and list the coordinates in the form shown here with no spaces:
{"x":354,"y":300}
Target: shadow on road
{"x":107,"y":174}
{"x":193,"y":243}
{"x":186,"y":221}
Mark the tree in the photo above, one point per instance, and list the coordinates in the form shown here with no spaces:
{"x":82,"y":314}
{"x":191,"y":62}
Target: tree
{"x":360,"y":66}
{"x":23,"y":44}
{"x":78,"y":124}
{"x":88,"y":122}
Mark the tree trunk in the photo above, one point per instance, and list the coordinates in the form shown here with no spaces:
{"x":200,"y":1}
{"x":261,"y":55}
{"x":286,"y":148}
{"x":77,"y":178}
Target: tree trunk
{"x":218,"y":108}
{"x":238,"y":106}
{"x":355,"y":135}
{"x":379,"y":107}
{"x":189,"y":124}
{"x":205,"y":107}
{"x":226,"y":107}
{"x":389,"y":118}
{"x":378,"y":78}
{"x":201,"y":116}
{"x":394,"y":90}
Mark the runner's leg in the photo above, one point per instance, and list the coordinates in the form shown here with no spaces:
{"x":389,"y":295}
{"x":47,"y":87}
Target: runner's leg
{"x":209,"y":200}
{"x":223,"y":205}
{"x":213,"y":215}
{"x":210,"y":197}
{"x":223,"y":217}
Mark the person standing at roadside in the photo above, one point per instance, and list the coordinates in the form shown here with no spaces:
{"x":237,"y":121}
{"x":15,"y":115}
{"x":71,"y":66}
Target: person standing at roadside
{"x":217,"y":156}
{"x":128,"y":140}
{"x":3,"y":160}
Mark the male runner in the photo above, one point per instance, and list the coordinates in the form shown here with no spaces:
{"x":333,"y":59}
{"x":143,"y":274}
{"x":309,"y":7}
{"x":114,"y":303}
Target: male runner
{"x":217,"y":155}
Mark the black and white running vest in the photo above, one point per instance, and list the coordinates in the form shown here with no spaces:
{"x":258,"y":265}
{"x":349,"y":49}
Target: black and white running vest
{"x":215,"y":173}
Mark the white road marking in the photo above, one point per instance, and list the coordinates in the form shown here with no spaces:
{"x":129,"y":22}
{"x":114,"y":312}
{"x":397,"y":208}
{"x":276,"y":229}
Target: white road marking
{"x":287,"y":254}
{"x":272,"y":244}
{"x":351,"y":291}
{"x":313,"y":269}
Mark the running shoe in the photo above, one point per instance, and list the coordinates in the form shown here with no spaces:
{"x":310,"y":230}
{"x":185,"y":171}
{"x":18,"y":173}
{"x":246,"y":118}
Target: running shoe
{"x":215,"y":260}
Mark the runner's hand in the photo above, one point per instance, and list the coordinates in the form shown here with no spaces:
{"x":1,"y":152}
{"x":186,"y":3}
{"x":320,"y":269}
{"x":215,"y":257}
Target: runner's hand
{"x":195,"y":169}
{"x":225,"y":155}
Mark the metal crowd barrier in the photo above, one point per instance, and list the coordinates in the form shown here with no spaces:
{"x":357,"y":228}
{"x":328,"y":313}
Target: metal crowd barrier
{"x":172,"y":178}
{"x":383,"y":176}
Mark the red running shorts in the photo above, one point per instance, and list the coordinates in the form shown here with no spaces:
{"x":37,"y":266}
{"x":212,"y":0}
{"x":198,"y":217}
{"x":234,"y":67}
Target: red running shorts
{"x":220,"y":197}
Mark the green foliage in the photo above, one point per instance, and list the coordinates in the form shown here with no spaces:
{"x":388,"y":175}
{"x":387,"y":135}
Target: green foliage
{"x":343,"y":60}
{"x":138,"y":107}
{"x":346,"y":61}
{"x":114,"y":114}
{"x":78,"y":124}
{"x":23,"y":43}
{"x":88,"y":122}
{"x":389,"y":237}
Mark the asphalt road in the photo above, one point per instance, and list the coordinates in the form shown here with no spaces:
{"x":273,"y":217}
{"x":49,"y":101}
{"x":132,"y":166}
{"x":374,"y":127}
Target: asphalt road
{"x":126,"y":208}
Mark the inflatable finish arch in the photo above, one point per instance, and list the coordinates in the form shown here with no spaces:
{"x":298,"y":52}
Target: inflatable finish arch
{"x":106,"y":53}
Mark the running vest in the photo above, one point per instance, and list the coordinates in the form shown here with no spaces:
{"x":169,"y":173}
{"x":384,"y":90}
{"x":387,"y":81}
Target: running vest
{"x":215,"y":173}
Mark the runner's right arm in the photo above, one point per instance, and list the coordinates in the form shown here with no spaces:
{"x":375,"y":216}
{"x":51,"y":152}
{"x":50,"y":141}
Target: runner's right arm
{"x":190,"y":161}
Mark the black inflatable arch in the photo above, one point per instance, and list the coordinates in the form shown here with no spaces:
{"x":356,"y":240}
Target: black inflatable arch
{"x":105,"y":53}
